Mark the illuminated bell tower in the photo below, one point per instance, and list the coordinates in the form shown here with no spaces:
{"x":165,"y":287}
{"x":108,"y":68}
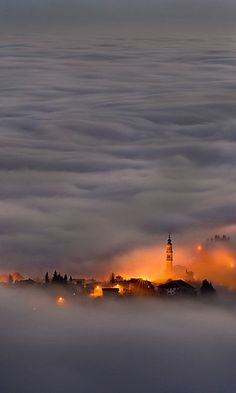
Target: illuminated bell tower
{"x":169,"y":257}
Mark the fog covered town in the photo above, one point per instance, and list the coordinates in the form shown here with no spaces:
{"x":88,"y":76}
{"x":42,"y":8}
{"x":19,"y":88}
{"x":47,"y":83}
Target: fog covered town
{"x":177,"y":282}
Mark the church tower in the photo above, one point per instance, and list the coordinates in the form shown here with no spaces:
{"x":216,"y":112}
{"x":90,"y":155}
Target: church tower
{"x":169,"y":257}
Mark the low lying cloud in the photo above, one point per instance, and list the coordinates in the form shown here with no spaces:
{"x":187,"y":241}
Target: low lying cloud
{"x":133,"y":346}
{"x":109,"y":143}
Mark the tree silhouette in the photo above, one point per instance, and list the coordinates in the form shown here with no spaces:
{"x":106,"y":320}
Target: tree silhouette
{"x":207,"y":288}
{"x":47,"y":278}
{"x":59,"y":278}
{"x":55,"y":277}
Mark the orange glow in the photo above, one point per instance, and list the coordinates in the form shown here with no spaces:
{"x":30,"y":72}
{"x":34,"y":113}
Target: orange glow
{"x":4,"y":278}
{"x":15,"y":276}
{"x":61,"y":301}
{"x":120,"y":287}
{"x":148,"y":263}
{"x":97,"y":292}
{"x":216,"y":262}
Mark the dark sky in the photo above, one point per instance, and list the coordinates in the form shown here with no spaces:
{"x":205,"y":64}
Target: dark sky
{"x":109,"y":140}
{"x":167,"y":14}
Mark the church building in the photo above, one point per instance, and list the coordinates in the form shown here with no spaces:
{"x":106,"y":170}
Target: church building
{"x":169,"y":258}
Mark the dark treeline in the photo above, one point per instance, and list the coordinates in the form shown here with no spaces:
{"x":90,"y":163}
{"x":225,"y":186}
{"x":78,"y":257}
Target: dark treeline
{"x":207,"y":288}
{"x":58,"y":278}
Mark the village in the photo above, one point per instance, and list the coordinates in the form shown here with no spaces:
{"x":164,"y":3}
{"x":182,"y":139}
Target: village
{"x":180,"y":282}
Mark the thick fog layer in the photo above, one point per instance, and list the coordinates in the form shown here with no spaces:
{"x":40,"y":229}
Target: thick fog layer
{"x":125,"y":346}
{"x":109,"y":143}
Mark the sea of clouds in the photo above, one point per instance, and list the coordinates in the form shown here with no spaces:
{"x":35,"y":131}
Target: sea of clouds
{"x":109,"y":142}
{"x":111,"y":138}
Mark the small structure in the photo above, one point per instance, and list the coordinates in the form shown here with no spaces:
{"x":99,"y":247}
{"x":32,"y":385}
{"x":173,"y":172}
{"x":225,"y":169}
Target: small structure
{"x":110,"y":292}
{"x":176,"y":288}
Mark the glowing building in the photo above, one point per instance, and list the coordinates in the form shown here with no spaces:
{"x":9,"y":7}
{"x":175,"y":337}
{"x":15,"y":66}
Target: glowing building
{"x":169,"y":258}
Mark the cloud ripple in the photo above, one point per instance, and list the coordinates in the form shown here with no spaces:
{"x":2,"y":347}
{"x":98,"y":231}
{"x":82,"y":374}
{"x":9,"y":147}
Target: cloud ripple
{"x":108,"y":143}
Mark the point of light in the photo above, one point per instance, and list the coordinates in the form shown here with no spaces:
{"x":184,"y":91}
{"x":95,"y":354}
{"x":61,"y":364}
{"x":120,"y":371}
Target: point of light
{"x":97,"y":292}
{"x":61,"y":301}
{"x":199,"y":247}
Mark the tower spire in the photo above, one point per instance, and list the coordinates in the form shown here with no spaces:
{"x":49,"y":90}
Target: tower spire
{"x":169,"y":257}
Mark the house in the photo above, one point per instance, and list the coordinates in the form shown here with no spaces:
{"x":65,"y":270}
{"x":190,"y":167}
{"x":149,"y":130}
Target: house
{"x":110,"y":292}
{"x":176,"y":288}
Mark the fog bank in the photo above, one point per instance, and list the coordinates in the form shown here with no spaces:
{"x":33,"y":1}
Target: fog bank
{"x":134,"y":346}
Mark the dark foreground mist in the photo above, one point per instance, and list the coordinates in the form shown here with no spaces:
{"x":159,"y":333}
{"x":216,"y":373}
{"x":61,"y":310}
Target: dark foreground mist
{"x":132,"y":346}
